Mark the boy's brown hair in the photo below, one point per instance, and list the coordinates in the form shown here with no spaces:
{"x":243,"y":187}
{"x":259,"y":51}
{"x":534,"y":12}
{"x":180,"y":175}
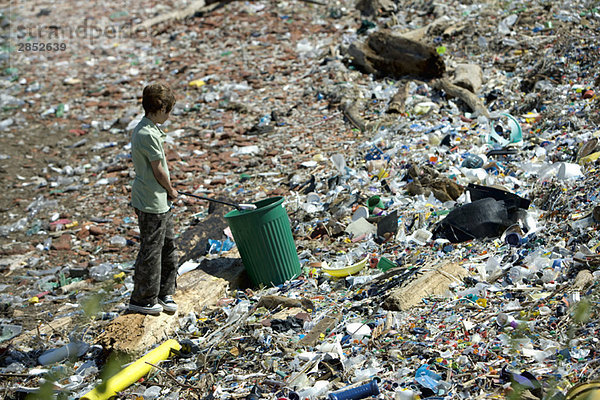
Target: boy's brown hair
{"x":156,"y":96}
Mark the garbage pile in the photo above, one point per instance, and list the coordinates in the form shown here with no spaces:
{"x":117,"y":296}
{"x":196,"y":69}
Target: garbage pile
{"x":438,"y":164}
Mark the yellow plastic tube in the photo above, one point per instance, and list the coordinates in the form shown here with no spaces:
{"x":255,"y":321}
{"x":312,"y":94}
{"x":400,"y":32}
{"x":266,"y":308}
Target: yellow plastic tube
{"x":130,"y":374}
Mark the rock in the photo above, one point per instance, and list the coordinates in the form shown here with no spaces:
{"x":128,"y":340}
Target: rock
{"x":63,"y":243}
{"x":96,"y":230}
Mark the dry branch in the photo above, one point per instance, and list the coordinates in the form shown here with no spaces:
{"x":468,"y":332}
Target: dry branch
{"x":456,"y":91}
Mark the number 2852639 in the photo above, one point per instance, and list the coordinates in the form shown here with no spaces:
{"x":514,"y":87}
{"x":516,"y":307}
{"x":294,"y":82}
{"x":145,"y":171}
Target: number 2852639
{"x":50,"y":46}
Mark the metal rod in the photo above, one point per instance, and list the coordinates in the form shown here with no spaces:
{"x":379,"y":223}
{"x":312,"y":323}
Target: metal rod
{"x":237,"y":206}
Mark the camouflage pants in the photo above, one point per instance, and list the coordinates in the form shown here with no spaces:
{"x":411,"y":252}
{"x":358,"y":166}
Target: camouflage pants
{"x":156,"y":263}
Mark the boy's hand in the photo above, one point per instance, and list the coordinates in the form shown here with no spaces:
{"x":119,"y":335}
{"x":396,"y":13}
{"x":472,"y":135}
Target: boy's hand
{"x":172,"y":194}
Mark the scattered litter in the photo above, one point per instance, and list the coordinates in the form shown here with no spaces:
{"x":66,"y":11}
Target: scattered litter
{"x":419,"y":186}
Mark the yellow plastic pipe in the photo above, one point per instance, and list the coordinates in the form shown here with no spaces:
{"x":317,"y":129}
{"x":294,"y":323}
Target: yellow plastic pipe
{"x":127,"y":376}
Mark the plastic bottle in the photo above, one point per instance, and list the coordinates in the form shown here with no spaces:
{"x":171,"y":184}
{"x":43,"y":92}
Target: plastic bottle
{"x":515,"y":274}
{"x":405,"y":394}
{"x":153,"y":392}
{"x":472,"y":161}
{"x":107,"y":316}
{"x":73,"y":349}
{"x":317,"y":391}
{"x":504,"y":319}
{"x":47,"y":244}
{"x":545,"y":310}
{"x":582,"y":223}
{"x":238,"y":311}
{"x":264,"y":120}
{"x":364,"y":374}
{"x":506,"y":23}
{"x":359,"y":392}
{"x":35,"y":227}
{"x":60,"y":110}
{"x":482,"y":42}
{"x":6,"y":123}
{"x":101,"y":272}
{"x":118,"y":240}
{"x":513,"y":235}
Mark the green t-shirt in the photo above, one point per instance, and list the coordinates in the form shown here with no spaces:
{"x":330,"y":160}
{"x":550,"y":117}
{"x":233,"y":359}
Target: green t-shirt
{"x":147,"y":194}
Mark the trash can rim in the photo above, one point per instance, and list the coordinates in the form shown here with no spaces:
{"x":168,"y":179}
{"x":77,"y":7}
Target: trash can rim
{"x":262,"y":206}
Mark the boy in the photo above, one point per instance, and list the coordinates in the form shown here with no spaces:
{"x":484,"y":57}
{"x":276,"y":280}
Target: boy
{"x":151,"y":195}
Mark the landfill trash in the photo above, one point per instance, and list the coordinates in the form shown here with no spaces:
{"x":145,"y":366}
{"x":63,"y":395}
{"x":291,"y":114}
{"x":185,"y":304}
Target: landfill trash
{"x":298,"y":100}
{"x":219,"y":246}
{"x":361,"y":212}
{"x":360,"y":392}
{"x":73,"y":349}
{"x":490,"y":214}
{"x":568,"y":171}
{"x":101,"y":272}
{"x":504,"y":130}
{"x":385,"y":264}
{"x":585,"y":390}
{"x":361,"y":228}
{"x":339,"y":269}
{"x":9,"y":331}
{"x":375,"y":202}
{"x":428,"y":379}
{"x":523,"y":381}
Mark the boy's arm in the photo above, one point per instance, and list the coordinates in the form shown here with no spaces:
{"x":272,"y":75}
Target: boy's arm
{"x":161,"y":176}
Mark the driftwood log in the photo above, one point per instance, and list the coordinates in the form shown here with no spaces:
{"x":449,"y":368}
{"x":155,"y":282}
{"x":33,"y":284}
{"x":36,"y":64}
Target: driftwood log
{"x":398,"y":102}
{"x":133,"y":334}
{"x":433,"y":283}
{"x":375,"y":7}
{"x":433,"y":29}
{"x":468,"y":76}
{"x":465,"y":95}
{"x":351,"y":113}
{"x":386,"y":54}
{"x":194,"y":7}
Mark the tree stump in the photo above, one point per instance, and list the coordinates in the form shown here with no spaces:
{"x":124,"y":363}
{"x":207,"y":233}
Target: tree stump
{"x":385,"y":54}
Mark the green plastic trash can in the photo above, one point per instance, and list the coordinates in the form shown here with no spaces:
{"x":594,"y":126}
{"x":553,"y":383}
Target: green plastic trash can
{"x":265,"y":242}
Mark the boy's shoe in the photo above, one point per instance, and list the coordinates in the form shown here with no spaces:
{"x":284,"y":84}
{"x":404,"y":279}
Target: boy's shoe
{"x":167,"y":303}
{"x":149,"y":309}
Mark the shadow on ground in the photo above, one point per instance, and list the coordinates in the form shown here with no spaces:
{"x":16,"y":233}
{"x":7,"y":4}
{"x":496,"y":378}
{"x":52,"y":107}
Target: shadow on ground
{"x":230,"y":269}
{"x":193,"y":245}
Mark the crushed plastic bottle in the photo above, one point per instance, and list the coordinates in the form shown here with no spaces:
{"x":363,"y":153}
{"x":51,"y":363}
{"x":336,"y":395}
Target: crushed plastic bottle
{"x":73,"y":349}
{"x":101,"y":272}
{"x":505,"y":25}
{"x":153,"y":392}
{"x":118,"y":240}
{"x":19,"y":225}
